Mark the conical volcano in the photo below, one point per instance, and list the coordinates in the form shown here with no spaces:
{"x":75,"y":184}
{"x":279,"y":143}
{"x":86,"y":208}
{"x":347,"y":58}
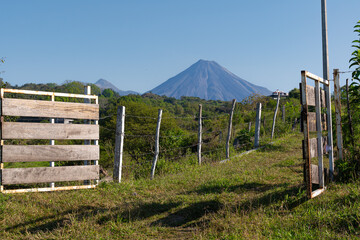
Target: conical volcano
{"x":208,"y":80}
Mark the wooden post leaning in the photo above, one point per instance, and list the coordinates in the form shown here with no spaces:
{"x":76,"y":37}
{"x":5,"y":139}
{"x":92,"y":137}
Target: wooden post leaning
{"x":257,"y":125}
{"x":119,"y":143}
{"x":229,"y":129}
{"x":157,"y":136}
{"x":200,"y":134}
{"x":275,"y":113}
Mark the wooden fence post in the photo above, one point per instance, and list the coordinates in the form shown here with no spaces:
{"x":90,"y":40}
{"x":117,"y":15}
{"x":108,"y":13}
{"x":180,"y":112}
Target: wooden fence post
{"x":1,"y":141}
{"x":249,"y":126}
{"x":283,"y":113}
{"x":329,"y":128}
{"x":257,"y":125}
{"x":229,"y":129}
{"x":52,"y":141}
{"x":337,"y":96}
{"x":275,"y":113}
{"x":349,"y":114}
{"x":264,"y":126}
{"x":200,"y":134}
{"x":87,"y":91}
{"x":96,"y":142}
{"x":157,"y":136}
{"x":294,"y":124}
{"x":319,"y":134}
{"x":119,"y":143}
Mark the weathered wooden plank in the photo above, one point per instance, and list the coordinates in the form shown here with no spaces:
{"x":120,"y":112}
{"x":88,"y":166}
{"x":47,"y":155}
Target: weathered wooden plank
{"x":314,"y":77}
{"x":312,"y":122}
{"x":311,"y":96}
{"x":317,"y":192}
{"x":37,"y":108}
{"x":48,"y":189}
{"x":314,"y":148}
{"x":55,"y":94}
{"x":16,"y":130}
{"x":44,"y":153}
{"x":315,"y":174}
{"x":49,"y":174}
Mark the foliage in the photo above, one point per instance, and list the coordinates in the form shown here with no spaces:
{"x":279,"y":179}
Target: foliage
{"x":355,"y":60}
{"x":179,"y":126}
{"x":295,"y":93}
{"x":349,"y":168}
{"x":243,"y":140}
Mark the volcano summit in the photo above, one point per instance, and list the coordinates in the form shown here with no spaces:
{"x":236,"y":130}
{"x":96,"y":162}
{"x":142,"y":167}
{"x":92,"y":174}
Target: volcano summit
{"x":208,"y":80}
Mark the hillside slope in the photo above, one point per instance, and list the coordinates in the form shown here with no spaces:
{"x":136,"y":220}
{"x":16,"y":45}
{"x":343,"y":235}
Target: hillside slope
{"x":256,"y":196}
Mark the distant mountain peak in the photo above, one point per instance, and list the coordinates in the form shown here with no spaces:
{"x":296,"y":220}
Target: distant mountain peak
{"x":208,"y":80}
{"x":105,"y":84}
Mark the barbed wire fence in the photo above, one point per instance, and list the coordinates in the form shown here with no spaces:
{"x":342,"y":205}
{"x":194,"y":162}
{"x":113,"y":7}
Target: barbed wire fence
{"x":139,"y":150}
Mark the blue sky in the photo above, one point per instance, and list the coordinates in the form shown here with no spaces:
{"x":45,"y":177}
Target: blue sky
{"x":137,"y":45}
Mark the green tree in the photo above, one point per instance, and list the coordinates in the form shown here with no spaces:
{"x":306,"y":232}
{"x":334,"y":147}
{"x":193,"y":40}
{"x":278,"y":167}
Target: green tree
{"x":350,"y":167}
{"x":295,"y":93}
{"x":355,"y":60}
{"x":109,"y":93}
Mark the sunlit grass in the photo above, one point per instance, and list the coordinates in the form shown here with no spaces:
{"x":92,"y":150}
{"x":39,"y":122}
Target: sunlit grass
{"x":256,"y":196}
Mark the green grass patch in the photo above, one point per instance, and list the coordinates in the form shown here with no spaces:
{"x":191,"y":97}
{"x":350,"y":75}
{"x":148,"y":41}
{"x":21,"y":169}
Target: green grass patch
{"x":255,"y":196}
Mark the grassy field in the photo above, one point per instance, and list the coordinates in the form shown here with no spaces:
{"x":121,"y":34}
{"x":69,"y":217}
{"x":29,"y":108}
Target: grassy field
{"x":255,"y":196}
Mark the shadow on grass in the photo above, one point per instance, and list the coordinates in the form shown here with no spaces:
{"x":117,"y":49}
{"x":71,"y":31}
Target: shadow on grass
{"x":142,"y":211}
{"x":219,"y":187}
{"x":191,"y":213}
{"x":52,"y":222}
{"x":101,"y":216}
{"x":288,"y":199}
{"x":119,"y":215}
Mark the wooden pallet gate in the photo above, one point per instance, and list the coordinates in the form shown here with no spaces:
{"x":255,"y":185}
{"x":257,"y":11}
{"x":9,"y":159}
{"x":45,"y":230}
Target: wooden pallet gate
{"x":88,"y":130}
{"x":316,"y":122}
